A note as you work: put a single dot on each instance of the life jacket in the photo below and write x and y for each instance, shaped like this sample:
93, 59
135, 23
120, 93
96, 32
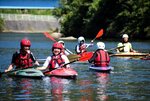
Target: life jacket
23, 61
102, 59
63, 52
55, 59
82, 48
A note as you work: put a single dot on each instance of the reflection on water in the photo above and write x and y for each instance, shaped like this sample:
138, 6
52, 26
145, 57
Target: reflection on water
127, 82
57, 87
102, 79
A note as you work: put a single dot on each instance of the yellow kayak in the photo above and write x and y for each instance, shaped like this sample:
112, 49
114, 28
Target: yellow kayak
131, 54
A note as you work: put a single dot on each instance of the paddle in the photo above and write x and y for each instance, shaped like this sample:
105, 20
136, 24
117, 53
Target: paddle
84, 57
71, 57
99, 34
109, 51
50, 37
115, 48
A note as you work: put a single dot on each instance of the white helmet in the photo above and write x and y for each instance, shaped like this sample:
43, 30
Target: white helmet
81, 38
100, 45
125, 36
61, 41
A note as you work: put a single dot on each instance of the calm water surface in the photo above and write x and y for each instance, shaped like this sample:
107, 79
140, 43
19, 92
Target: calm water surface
129, 81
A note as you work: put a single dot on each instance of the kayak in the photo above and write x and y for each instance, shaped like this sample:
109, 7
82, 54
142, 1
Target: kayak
131, 54
101, 69
146, 58
29, 73
62, 72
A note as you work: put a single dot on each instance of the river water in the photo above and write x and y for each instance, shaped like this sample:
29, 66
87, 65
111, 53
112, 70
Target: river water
129, 81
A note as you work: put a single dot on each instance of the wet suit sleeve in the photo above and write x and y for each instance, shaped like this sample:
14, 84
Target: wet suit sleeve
14, 58
93, 57
77, 49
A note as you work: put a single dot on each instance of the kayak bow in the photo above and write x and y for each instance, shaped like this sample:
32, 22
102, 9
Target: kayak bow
101, 69
28, 73
62, 72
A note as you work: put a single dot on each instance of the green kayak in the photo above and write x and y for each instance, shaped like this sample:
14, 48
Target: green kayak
29, 73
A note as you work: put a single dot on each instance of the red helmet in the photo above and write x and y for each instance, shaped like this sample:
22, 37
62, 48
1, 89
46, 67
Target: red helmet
25, 42
57, 45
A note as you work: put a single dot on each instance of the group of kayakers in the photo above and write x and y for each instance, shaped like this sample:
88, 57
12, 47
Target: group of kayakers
24, 58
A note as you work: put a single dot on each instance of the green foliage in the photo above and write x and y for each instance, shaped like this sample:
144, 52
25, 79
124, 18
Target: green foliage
1, 24
27, 11
87, 17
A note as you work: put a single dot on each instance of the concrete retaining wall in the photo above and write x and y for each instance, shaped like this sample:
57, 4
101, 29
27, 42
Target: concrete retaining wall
29, 23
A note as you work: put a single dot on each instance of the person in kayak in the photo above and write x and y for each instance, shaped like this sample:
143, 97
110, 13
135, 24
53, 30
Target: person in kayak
100, 57
82, 46
57, 59
23, 58
64, 50
127, 45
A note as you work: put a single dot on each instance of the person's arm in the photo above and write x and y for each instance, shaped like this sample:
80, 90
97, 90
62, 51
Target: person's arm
9, 68
12, 62
45, 65
92, 58
89, 45
131, 49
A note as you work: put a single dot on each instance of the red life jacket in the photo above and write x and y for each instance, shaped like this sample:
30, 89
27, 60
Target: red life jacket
102, 59
82, 48
63, 52
56, 59
23, 61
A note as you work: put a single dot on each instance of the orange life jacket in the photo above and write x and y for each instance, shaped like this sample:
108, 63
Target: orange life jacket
23, 61
102, 59
56, 59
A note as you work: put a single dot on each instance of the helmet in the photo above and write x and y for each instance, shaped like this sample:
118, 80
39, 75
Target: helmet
25, 42
61, 42
81, 39
100, 45
57, 45
125, 36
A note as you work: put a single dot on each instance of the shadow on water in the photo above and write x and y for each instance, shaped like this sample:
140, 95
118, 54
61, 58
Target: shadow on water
128, 81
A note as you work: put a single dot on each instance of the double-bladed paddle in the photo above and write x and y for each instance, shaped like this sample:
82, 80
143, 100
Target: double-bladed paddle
84, 57
99, 34
110, 50
51, 38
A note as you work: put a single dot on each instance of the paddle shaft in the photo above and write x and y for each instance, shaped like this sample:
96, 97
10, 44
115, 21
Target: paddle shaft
50, 37
84, 57
115, 48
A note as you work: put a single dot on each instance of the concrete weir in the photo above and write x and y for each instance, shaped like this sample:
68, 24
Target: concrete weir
29, 23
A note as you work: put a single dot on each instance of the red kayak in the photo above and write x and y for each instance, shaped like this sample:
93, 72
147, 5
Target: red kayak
146, 58
62, 72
